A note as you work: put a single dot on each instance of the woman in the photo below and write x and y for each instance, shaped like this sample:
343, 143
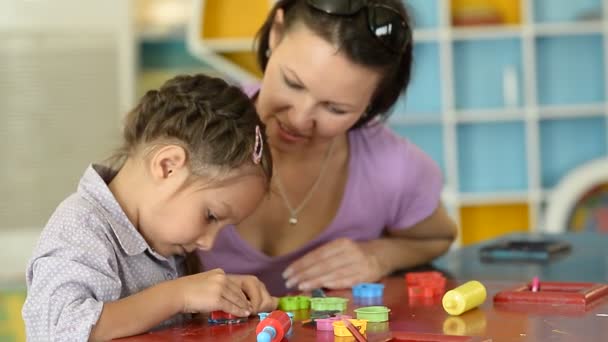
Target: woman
351, 201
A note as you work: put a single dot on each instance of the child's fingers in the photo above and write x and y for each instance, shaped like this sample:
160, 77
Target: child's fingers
268, 303
254, 290
233, 293
233, 309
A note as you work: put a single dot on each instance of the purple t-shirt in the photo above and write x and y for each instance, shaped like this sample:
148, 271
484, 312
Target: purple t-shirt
391, 184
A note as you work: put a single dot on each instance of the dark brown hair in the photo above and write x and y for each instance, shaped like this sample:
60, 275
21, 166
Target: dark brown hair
213, 121
352, 36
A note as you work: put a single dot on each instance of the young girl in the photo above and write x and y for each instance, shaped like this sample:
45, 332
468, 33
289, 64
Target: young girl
111, 260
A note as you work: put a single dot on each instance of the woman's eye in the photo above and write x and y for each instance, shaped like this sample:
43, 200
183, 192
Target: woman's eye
335, 110
332, 108
292, 84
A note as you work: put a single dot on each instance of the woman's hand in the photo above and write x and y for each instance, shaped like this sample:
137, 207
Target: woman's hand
255, 290
338, 264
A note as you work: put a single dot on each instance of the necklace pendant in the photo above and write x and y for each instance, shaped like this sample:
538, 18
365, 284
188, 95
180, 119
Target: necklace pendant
293, 221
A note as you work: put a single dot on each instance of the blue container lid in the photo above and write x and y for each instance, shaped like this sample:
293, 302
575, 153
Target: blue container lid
368, 290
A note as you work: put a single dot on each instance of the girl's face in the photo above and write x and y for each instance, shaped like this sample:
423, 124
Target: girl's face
311, 92
190, 212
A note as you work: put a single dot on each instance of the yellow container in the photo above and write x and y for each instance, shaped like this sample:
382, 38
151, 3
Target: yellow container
341, 330
464, 298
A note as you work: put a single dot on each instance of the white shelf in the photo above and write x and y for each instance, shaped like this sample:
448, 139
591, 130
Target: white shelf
159, 34
493, 115
426, 35
493, 198
487, 32
230, 44
490, 115
566, 29
572, 111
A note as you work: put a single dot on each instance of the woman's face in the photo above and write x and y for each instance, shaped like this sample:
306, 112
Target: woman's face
311, 92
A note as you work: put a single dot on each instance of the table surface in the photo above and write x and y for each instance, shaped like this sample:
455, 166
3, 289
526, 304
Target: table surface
587, 261
498, 323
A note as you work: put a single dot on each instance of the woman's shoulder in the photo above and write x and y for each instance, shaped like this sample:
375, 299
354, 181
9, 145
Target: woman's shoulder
379, 143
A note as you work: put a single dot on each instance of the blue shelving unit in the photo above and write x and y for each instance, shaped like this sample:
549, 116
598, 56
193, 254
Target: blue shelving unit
570, 70
551, 11
479, 67
469, 108
567, 143
492, 157
425, 13
423, 98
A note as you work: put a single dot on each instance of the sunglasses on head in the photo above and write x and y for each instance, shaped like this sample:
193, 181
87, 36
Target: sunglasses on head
384, 22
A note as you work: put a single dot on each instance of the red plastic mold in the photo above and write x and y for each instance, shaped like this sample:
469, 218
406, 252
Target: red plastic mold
221, 315
414, 278
579, 295
425, 284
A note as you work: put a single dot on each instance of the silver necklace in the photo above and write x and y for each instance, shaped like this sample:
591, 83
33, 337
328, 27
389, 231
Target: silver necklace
293, 219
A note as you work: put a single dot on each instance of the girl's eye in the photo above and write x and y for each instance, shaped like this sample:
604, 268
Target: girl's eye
211, 217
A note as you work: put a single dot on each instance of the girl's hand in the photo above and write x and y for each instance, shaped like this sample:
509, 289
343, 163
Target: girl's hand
338, 264
260, 299
210, 291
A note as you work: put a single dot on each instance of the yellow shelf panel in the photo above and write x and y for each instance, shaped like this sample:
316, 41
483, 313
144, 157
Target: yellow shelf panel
11, 323
246, 60
234, 18
509, 10
481, 223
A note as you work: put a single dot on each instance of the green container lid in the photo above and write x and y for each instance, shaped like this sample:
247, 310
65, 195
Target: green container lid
328, 304
373, 313
294, 303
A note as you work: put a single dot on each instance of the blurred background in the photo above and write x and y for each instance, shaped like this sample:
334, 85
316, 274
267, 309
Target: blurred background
508, 96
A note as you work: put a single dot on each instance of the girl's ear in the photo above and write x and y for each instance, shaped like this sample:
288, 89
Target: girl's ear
277, 30
168, 161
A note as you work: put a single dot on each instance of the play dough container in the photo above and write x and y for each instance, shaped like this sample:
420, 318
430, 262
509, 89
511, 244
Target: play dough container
328, 304
325, 324
341, 330
294, 303
368, 290
464, 298
373, 314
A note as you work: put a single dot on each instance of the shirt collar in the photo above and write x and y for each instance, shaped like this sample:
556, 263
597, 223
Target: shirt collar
94, 187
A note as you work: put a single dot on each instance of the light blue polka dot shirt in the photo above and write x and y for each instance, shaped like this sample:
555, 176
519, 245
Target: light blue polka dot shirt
88, 253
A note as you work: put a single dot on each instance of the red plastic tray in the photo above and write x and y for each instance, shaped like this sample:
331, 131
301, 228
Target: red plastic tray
423, 337
580, 295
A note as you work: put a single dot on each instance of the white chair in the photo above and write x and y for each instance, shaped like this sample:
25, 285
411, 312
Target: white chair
567, 195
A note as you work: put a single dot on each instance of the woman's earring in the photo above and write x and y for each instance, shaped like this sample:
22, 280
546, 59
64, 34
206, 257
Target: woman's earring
268, 52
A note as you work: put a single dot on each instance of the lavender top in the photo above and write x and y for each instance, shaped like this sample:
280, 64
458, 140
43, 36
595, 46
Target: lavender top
391, 184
